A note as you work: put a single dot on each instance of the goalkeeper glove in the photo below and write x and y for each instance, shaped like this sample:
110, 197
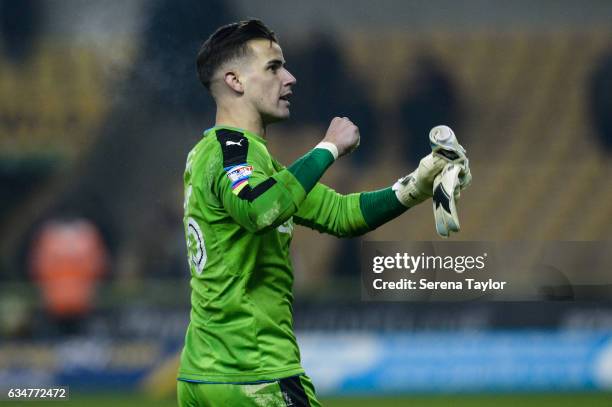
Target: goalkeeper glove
417, 186
447, 185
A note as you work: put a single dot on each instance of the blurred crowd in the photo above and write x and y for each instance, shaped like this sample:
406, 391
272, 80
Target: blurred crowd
91, 160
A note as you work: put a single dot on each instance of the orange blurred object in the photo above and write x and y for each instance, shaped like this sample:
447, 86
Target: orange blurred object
68, 257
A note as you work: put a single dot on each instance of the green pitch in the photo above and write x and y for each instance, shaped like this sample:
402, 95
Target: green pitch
523, 400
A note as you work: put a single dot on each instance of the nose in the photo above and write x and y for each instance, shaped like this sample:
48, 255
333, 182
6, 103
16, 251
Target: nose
290, 80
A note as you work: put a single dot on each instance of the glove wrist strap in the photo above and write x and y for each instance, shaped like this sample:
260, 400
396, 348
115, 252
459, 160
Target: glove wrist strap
407, 193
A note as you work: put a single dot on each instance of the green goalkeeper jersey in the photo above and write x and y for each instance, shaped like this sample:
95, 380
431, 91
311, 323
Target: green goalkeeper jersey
240, 207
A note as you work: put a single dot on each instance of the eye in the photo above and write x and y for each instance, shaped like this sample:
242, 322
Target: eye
275, 66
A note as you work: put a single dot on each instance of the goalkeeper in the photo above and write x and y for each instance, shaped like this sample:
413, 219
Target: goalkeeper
240, 208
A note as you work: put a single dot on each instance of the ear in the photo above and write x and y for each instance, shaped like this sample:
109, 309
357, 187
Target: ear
231, 79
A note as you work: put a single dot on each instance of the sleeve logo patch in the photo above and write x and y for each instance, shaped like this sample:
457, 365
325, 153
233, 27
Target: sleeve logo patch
239, 176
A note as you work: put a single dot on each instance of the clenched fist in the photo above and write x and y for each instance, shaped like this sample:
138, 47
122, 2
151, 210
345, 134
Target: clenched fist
343, 134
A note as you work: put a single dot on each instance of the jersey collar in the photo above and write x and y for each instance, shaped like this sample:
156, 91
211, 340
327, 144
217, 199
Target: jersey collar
245, 132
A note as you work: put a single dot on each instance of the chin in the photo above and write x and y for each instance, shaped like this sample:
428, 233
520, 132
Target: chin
277, 117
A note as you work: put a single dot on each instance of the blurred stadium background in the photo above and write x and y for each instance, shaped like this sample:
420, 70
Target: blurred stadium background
99, 105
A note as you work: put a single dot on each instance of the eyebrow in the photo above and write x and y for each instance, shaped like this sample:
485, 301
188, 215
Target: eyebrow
275, 62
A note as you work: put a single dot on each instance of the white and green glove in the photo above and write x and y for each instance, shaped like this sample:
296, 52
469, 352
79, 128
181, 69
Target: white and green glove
447, 184
417, 186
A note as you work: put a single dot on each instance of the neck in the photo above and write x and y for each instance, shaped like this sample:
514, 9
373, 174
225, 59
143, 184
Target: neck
236, 118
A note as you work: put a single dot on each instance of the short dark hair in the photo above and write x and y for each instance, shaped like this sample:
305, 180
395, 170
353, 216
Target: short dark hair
229, 42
